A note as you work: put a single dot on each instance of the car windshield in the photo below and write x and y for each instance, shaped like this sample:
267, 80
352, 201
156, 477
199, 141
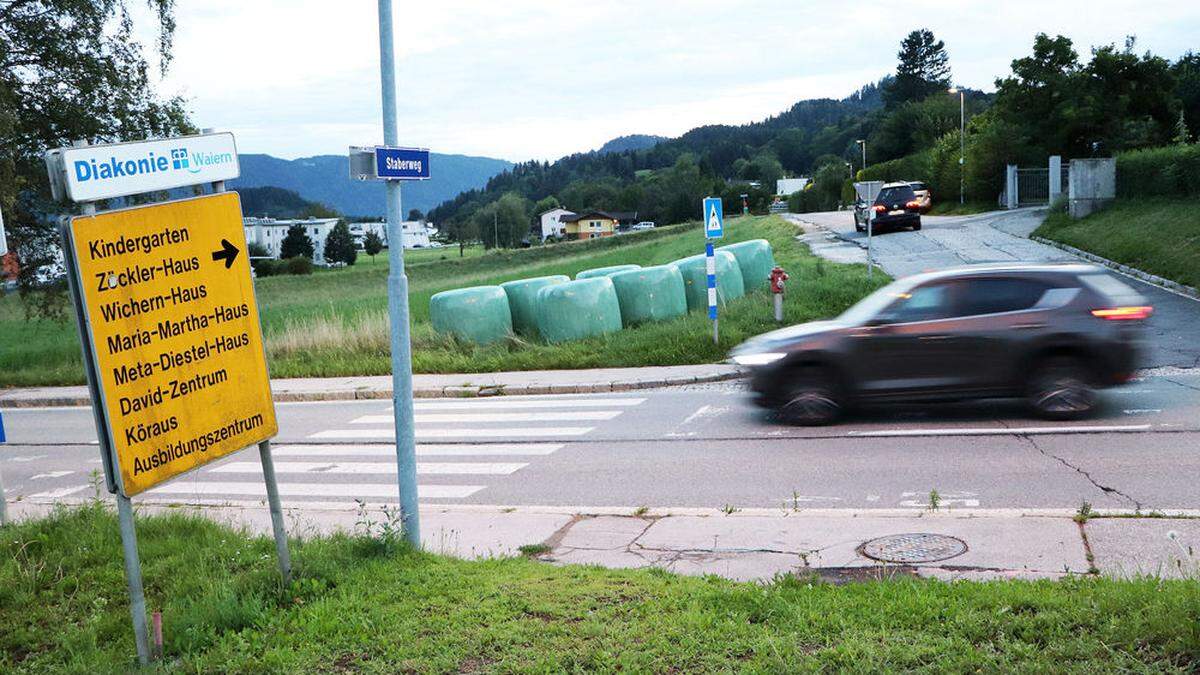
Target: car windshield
866, 309
894, 195
918, 186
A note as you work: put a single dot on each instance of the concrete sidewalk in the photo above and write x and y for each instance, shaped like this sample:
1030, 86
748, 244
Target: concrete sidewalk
760, 544
434, 386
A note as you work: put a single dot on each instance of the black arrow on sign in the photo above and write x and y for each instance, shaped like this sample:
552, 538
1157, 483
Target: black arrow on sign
227, 253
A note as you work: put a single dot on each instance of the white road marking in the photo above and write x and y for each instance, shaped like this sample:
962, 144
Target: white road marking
505, 432
50, 474
705, 411
425, 449
29, 458
990, 431
381, 468
963, 499
354, 490
427, 418
60, 492
1142, 411
523, 402
872, 498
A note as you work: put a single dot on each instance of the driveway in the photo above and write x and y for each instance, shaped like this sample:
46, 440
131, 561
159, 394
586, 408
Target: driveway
996, 236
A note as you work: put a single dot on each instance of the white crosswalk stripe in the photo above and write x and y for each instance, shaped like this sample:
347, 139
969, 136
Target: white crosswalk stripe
515, 403
379, 468
505, 432
288, 489
423, 450
434, 418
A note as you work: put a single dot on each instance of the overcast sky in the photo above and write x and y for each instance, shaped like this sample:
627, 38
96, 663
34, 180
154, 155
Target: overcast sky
522, 79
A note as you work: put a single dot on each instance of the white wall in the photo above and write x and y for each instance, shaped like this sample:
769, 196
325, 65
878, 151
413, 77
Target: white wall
551, 226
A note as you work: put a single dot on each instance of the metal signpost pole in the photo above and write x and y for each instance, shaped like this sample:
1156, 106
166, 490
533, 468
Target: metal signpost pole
272, 485
3, 502
870, 252
133, 564
406, 459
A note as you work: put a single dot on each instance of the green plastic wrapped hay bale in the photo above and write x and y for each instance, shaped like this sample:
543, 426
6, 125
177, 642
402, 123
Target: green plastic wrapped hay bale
650, 294
578, 309
756, 261
479, 314
522, 300
605, 271
695, 279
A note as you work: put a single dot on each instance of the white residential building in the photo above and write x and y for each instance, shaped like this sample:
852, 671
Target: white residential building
270, 233
785, 187
417, 233
552, 225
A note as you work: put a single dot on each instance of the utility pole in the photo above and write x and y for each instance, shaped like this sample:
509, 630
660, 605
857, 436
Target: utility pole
962, 143
402, 403
495, 231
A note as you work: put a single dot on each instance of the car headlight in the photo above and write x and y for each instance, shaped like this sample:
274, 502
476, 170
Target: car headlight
760, 359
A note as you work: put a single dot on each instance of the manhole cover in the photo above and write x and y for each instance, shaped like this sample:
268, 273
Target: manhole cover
917, 547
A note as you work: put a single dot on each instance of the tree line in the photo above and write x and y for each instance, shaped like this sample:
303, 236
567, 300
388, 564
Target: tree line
1052, 102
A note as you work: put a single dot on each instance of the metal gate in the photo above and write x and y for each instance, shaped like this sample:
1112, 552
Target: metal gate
1033, 186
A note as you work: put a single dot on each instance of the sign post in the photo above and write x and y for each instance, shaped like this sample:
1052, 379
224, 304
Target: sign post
714, 228
3, 238
402, 404
168, 320
3, 499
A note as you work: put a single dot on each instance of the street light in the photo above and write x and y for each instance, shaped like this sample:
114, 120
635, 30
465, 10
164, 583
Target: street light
962, 142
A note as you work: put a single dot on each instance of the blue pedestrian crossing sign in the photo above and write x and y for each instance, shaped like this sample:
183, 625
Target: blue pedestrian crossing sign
714, 218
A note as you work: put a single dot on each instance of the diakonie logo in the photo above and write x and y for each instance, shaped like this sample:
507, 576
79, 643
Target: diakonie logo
180, 160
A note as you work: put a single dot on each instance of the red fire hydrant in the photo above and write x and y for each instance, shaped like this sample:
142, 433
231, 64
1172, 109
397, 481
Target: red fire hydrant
777, 278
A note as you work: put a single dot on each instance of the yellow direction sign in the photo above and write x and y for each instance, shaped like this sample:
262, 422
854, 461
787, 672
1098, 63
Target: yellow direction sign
173, 330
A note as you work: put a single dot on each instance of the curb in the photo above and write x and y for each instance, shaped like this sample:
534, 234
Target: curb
1152, 279
458, 391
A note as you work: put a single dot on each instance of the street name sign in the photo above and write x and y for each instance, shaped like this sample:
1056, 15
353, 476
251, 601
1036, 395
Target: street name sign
95, 172
714, 218
389, 163
172, 334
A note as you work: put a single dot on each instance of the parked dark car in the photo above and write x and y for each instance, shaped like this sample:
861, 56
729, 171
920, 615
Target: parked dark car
895, 207
1051, 333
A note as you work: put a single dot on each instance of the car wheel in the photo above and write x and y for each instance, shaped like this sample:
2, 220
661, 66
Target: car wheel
859, 228
917, 226
1061, 389
811, 398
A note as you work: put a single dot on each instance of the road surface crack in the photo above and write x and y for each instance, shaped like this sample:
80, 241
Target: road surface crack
1107, 489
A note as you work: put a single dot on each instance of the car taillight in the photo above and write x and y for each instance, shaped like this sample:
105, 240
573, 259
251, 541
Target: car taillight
1123, 313
914, 204
879, 208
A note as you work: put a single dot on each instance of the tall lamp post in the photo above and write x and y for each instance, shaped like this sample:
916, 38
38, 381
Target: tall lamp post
962, 142
863, 143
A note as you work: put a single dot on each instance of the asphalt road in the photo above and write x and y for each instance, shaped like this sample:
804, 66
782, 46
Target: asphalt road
704, 446
999, 236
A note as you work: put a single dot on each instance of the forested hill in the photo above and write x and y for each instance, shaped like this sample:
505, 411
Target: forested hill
790, 143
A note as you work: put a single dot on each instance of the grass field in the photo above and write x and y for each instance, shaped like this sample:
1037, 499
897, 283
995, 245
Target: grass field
334, 322
1160, 236
362, 605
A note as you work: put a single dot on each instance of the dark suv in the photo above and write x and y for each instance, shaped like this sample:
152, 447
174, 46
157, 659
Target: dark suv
1052, 333
896, 206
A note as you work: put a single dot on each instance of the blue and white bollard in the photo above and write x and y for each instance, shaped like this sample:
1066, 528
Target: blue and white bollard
710, 262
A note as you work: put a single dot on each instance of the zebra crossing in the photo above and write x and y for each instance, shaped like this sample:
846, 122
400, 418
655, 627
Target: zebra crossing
461, 446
